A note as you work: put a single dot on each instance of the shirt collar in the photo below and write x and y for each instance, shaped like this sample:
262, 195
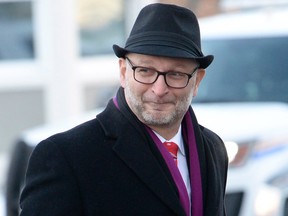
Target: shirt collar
178, 139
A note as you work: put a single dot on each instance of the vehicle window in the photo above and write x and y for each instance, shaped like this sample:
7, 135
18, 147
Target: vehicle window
253, 70
101, 24
16, 30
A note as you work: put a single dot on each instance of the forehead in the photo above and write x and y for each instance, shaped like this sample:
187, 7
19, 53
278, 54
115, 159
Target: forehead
160, 60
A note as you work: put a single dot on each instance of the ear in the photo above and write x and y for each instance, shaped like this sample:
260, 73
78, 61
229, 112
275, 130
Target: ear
122, 68
199, 76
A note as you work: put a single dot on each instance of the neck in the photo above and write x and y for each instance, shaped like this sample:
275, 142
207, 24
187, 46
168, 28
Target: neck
166, 132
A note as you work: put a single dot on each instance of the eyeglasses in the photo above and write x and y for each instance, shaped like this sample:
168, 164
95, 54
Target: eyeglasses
172, 79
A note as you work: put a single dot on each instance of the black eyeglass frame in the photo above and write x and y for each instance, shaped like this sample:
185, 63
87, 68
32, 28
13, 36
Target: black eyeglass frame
134, 67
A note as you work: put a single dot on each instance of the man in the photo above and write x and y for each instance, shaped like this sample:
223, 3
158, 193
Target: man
117, 164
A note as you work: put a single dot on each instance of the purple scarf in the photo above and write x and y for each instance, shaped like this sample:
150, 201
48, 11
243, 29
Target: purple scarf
195, 173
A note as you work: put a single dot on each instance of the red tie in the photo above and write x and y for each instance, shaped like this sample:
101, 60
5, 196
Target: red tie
173, 149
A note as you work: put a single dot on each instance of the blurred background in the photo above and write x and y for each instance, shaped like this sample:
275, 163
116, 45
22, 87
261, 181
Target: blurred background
57, 63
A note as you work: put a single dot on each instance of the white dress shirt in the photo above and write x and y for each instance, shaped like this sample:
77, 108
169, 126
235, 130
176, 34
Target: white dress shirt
181, 158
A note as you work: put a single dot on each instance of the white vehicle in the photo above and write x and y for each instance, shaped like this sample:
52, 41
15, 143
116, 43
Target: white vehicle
2, 208
243, 98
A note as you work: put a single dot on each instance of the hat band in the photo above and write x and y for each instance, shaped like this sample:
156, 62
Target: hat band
168, 40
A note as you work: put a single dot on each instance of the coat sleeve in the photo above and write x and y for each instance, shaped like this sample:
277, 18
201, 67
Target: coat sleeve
50, 187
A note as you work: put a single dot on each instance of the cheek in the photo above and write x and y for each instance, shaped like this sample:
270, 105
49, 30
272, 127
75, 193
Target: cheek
189, 96
137, 88
199, 77
126, 81
132, 86
189, 90
193, 88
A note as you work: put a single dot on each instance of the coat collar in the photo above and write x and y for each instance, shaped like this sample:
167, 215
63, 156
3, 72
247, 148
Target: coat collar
136, 146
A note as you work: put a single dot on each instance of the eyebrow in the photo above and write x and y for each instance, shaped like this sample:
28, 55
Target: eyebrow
145, 61
148, 63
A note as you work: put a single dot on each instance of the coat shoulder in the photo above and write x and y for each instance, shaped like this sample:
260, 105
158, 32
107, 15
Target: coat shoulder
214, 146
82, 132
212, 137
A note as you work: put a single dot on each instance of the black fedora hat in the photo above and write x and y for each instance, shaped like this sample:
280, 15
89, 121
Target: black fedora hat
165, 30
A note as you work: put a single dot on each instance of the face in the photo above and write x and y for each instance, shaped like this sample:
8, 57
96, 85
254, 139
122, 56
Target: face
158, 105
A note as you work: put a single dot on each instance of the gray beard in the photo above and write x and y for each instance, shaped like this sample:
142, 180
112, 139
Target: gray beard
152, 119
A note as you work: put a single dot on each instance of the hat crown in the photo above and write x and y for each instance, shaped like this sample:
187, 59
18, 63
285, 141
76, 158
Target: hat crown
165, 30
167, 19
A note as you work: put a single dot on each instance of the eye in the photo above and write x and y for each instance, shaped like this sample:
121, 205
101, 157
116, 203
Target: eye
145, 71
176, 75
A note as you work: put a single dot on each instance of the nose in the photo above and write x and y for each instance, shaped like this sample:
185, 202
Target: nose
160, 87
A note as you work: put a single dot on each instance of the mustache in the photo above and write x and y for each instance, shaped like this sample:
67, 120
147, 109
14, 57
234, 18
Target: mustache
157, 100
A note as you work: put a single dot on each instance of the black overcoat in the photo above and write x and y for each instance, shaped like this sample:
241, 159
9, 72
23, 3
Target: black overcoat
110, 166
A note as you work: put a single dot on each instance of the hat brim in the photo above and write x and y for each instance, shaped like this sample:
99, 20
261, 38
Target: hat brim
165, 51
